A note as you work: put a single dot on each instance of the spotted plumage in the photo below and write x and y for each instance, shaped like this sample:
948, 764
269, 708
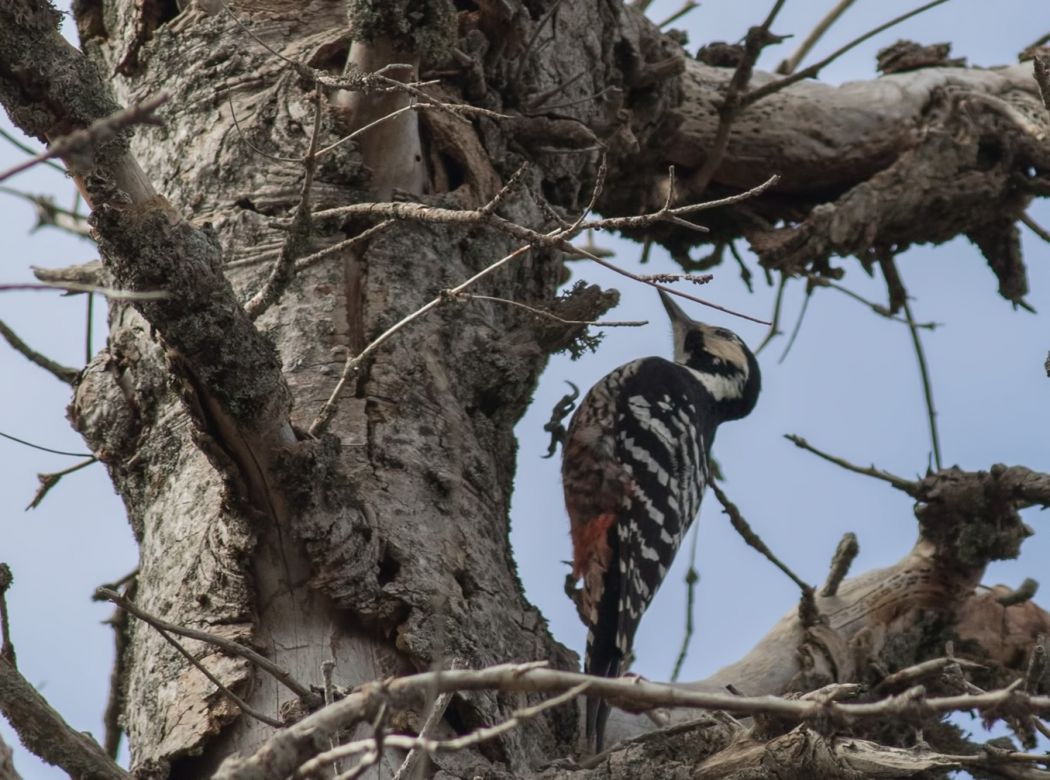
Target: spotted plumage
634, 469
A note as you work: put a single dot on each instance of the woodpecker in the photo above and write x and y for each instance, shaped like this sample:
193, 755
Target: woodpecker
634, 468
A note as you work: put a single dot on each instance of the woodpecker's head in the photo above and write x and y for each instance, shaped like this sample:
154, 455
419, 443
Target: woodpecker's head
719, 358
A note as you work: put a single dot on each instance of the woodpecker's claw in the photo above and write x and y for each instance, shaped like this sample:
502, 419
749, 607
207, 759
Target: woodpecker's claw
561, 410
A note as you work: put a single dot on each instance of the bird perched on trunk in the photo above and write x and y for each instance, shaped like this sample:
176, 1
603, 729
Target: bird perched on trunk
634, 468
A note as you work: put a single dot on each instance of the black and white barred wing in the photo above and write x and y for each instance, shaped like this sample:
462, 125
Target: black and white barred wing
659, 440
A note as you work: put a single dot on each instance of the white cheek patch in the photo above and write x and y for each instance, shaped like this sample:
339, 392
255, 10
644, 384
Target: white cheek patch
727, 351
721, 387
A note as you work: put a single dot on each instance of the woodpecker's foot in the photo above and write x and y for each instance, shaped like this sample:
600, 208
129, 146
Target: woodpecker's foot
561, 410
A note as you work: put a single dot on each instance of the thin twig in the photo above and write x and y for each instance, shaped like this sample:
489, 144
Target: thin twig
504, 192
447, 745
120, 622
840, 562
910, 674
1024, 592
47, 734
732, 103
1035, 227
89, 326
798, 325
813, 70
375, 748
353, 364
109, 292
230, 646
688, 6
44, 449
692, 576
927, 390
745, 272
48, 481
553, 317
555, 239
906, 485
524, 56
754, 540
57, 370
414, 760
29, 150
878, 308
95, 133
327, 670
250, 145
789, 65
774, 325
50, 214
282, 754
342, 246
233, 697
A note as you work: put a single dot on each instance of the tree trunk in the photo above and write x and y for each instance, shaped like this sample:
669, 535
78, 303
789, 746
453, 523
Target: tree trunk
382, 543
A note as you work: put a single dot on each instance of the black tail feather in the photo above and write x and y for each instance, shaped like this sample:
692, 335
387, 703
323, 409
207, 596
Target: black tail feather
604, 658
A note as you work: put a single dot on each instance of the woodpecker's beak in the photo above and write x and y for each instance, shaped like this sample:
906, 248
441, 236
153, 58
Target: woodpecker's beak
681, 324
674, 311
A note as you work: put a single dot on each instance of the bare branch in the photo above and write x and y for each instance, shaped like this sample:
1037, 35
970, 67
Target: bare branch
407, 770
29, 150
448, 745
798, 325
50, 214
813, 70
840, 562
109, 292
228, 645
754, 540
755, 41
553, 317
667, 212
45, 733
1035, 227
910, 674
908, 486
927, 390
283, 752
774, 325
1024, 592
556, 239
687, 6
789, 65
878, 308
48, 481
44, 449
692, 576
60, 372
94, 134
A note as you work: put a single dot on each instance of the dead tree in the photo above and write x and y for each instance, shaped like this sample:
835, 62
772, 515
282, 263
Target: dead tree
311, 476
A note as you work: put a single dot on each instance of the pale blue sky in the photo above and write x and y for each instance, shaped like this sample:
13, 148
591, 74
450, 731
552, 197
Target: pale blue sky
850, 386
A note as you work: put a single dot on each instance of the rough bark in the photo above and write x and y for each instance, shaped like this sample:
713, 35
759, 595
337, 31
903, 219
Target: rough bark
383, 544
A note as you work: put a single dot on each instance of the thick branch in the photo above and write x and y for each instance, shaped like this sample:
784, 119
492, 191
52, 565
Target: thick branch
44, 732
50, 89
